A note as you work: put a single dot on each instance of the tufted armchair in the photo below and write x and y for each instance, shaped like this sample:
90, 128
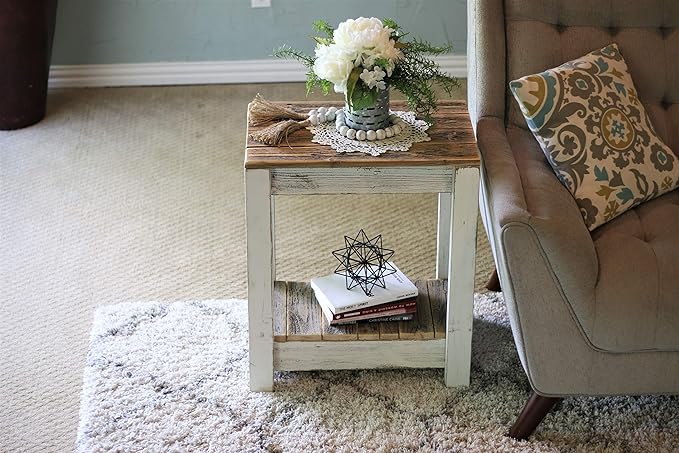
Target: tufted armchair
591, 313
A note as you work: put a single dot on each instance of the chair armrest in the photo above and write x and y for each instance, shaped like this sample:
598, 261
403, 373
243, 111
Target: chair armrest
520, 191
501, 178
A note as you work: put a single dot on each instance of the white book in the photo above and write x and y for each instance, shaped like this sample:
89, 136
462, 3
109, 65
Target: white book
332, 292
326, 310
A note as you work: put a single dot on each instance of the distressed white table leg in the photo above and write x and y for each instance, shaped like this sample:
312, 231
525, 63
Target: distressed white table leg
260, 257
443, 235
464, 211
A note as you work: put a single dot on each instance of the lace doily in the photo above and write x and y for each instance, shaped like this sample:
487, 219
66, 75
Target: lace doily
415, 131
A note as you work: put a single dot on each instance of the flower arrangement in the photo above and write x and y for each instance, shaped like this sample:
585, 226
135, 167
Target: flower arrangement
363, 57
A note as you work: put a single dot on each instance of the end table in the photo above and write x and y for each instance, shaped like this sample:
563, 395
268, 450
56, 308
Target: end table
286, 328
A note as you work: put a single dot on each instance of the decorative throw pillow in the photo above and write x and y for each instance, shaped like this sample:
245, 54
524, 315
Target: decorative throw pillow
596, 134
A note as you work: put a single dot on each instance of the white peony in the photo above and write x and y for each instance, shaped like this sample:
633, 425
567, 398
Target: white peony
334, 64
369, 40
358, 35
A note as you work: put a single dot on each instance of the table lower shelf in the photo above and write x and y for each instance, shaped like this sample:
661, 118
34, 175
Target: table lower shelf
303, 340
298, 317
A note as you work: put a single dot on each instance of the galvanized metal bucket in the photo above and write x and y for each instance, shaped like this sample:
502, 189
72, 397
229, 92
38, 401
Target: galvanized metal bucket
370, 118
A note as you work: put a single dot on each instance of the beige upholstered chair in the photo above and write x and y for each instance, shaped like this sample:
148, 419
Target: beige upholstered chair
591, 314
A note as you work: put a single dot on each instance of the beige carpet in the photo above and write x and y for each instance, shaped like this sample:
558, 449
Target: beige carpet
137, 194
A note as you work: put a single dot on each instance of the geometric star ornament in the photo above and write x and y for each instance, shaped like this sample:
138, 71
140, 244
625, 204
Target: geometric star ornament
364, 262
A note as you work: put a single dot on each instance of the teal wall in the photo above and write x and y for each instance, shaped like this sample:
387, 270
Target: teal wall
144, 31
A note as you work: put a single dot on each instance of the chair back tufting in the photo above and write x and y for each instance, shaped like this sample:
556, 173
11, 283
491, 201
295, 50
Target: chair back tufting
542, 34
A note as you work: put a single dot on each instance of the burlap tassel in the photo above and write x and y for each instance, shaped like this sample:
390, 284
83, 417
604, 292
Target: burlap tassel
263, 111
276, 133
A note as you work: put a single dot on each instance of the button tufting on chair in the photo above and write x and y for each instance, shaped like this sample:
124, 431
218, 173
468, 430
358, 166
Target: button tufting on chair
592, 313
665, 31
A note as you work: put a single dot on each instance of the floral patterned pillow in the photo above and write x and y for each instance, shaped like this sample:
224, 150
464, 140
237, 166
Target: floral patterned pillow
596, 134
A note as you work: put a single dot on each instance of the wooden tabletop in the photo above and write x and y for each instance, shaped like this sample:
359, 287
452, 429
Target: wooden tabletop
452, 143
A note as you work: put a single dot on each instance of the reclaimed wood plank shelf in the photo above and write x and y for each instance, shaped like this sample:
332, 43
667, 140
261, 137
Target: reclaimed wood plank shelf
286, 327
298, 317
452, 143
304, 341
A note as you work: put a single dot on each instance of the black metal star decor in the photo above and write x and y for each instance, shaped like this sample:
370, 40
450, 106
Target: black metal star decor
364, 262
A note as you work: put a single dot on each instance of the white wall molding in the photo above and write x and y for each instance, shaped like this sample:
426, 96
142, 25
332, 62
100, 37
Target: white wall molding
199, 73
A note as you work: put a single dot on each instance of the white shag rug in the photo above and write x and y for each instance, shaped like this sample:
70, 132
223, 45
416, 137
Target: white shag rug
173, 377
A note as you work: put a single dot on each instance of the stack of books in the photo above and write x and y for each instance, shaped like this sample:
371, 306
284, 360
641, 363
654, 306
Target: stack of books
396, 302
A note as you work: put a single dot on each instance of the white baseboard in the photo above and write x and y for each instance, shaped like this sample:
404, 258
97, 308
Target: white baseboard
200, 73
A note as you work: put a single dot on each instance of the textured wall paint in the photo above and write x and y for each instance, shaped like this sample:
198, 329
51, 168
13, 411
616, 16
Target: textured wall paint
143, 31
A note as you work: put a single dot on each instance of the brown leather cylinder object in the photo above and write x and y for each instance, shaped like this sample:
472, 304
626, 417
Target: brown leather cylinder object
26, 34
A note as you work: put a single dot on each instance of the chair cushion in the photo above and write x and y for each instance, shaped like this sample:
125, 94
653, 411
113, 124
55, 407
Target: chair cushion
637, 293
596, 134
632, 302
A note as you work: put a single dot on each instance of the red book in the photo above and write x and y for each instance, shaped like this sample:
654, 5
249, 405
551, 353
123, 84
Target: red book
377, 309
404, 317
380, 315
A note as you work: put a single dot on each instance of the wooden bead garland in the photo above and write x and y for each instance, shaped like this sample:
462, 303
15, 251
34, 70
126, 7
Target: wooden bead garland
323, 114
262, 112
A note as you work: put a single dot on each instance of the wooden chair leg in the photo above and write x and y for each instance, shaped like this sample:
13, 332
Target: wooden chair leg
494, 283
535, 410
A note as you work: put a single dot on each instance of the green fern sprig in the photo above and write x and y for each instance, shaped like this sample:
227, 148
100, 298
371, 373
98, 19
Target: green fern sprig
322, 26
288, 53
416, 76
312, 81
